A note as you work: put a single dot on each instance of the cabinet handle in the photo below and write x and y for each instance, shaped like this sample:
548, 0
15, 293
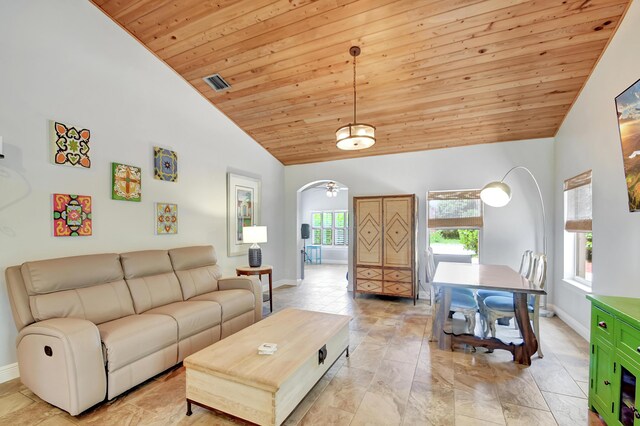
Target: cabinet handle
607, 383
602, 324
636, 413
638, 349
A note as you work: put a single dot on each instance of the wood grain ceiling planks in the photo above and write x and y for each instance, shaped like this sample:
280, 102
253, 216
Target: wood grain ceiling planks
432, 73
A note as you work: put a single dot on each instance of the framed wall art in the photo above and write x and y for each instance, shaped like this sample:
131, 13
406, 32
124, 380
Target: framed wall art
71, 215
69, 145
166, 218
628, 108
243, 209
126, 182
165, 164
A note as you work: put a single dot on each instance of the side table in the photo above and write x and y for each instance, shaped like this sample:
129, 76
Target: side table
259, 271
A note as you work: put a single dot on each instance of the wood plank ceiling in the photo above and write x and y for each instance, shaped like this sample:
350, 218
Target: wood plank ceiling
432, 73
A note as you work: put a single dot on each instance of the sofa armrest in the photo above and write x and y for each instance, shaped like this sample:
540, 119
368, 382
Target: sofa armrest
61, 361
245, 283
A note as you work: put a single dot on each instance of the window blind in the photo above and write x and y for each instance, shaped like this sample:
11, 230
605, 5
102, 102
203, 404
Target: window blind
578, 201
455, 209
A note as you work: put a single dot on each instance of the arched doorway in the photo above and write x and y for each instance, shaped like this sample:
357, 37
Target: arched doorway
323, 209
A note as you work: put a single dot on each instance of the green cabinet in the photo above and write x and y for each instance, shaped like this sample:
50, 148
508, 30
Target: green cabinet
614, 368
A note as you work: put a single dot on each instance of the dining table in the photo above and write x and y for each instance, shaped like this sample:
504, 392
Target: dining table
450, 275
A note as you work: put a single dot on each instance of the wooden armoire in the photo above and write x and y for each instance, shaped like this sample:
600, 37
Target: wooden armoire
385, 253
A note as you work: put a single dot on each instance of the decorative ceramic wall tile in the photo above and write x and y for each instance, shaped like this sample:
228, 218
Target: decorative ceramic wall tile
69, 144
166, 218
126, 183
71, 215
165, 164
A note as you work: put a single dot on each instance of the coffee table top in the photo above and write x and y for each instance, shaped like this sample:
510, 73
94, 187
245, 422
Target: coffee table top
298, 333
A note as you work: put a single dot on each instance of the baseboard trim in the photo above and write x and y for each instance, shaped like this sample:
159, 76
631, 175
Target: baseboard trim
9, 372
571, 322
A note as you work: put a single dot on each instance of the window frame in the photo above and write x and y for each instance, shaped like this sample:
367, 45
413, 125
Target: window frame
321, 229
466, 223
573, 231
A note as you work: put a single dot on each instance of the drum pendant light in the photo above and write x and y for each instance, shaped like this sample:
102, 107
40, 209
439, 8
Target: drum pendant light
355, 136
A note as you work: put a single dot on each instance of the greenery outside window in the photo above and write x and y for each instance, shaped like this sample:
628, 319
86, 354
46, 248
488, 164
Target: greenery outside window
330, 228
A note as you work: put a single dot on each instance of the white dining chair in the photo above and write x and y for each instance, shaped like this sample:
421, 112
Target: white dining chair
500, 306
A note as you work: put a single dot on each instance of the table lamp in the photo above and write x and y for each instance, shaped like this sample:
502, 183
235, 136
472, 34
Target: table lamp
254, 235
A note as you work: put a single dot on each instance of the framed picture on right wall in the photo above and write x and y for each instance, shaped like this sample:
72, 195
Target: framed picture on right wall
628, 108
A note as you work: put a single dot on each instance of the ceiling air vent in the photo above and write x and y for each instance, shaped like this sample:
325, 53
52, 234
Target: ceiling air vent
217, 83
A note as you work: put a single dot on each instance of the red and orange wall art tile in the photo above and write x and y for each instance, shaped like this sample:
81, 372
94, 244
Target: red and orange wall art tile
71, 215
166, 218
126, 182
70, 145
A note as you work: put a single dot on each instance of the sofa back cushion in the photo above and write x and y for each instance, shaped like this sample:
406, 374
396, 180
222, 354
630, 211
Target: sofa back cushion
88, 287
150, 278
196, 269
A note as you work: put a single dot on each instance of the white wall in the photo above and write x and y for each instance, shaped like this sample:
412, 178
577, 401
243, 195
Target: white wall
65, 60
589, 139
315, 199
507, 232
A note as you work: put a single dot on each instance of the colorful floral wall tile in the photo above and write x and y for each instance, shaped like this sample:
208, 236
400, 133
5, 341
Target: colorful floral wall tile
126, 183
71, 215
166, 218
165, 164
70, 145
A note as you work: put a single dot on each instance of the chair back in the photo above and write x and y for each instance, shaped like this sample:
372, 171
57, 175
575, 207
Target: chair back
539, 270
526, 264
431, 265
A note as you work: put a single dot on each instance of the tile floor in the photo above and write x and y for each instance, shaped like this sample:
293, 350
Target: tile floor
394, 376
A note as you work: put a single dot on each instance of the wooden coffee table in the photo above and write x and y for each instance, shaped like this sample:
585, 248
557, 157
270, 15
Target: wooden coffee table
229, 376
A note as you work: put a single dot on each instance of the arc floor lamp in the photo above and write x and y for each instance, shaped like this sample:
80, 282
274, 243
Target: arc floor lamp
498, 194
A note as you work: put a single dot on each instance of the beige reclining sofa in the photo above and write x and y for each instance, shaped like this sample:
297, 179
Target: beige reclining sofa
91, 327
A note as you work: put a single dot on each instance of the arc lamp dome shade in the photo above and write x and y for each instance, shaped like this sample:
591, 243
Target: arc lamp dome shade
496, 194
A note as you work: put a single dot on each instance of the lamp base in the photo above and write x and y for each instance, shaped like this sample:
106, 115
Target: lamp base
255, 257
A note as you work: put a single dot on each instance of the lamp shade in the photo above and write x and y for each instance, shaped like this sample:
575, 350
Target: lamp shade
355, 136
254, 234
496, 194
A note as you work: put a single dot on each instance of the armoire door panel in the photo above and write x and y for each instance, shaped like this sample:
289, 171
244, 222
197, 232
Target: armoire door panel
369, 231
398, 218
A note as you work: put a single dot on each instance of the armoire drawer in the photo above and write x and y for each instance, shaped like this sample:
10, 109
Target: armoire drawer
369, 273
370, 286
398, 275
397, 288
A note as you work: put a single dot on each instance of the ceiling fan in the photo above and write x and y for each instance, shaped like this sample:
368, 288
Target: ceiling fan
333, 189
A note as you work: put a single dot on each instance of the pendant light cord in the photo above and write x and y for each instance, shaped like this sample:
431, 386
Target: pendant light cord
354, 90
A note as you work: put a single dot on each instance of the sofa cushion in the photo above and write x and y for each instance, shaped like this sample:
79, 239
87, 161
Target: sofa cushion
192, 317
131, 338
48, 276
196, 269
233, 302
150, 278
98, 304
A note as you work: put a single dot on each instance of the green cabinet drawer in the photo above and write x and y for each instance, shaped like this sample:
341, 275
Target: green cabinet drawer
602, 324
628, 340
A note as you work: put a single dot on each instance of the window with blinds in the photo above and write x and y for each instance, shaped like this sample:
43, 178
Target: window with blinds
578, 203
454, 209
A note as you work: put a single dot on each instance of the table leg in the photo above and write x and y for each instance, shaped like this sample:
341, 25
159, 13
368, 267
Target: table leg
444, 340
189, 412
270, 292
524, 352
